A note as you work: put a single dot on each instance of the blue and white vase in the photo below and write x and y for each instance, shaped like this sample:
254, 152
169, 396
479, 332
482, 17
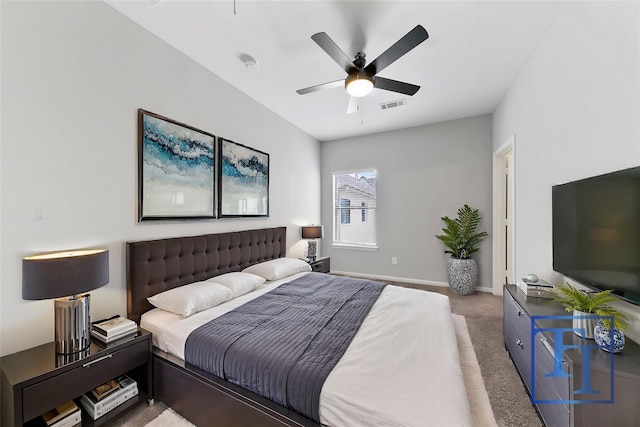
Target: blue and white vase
603, 337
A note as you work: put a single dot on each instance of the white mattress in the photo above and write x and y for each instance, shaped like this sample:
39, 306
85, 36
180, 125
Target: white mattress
401, 369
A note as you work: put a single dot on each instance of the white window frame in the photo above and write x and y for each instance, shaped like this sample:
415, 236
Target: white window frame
356, 210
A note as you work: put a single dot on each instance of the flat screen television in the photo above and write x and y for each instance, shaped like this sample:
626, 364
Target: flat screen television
596, 232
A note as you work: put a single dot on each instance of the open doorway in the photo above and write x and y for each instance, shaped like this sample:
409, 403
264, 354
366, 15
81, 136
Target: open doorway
503, 215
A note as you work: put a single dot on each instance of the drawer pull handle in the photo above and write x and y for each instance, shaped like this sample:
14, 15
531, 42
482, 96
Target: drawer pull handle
519, 343
108, 356
517, 306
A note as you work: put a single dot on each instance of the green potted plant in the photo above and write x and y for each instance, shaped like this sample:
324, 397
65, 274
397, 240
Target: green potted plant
585, 306
461, 241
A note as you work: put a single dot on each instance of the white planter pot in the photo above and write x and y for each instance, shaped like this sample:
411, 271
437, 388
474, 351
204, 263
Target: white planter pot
583, 326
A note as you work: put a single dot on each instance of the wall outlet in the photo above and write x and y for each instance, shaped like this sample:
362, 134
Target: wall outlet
394, 260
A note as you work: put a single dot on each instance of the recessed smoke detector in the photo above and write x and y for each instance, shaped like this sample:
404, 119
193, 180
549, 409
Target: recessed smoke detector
393, 104
249, 62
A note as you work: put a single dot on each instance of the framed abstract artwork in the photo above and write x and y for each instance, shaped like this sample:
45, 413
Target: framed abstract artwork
176, 170
243, 179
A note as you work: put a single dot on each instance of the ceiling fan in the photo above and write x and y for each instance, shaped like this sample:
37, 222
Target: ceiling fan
361, 79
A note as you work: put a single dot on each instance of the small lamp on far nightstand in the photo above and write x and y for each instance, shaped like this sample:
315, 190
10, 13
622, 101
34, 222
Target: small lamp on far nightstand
312, 232
67, 274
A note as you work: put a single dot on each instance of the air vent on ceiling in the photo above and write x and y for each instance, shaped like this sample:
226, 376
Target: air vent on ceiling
393, 104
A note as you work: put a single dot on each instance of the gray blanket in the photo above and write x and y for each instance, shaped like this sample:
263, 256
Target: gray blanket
283, 344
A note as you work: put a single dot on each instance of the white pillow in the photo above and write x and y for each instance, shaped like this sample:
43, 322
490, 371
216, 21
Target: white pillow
239, 283
192, 298
278, 268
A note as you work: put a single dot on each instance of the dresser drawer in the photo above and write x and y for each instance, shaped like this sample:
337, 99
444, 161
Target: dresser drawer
520, 353
555, 415
519, 320
71, 384
550, 388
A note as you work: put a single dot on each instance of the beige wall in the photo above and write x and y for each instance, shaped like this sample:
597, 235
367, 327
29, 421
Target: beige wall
424, 173
73, 76
575, 110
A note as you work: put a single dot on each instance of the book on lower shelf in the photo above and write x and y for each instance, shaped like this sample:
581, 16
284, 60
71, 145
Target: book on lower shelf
66, 415
127, 388
73, 420
114, 326
105, 390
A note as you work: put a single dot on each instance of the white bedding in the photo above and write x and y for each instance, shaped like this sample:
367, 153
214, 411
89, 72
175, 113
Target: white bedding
401, 369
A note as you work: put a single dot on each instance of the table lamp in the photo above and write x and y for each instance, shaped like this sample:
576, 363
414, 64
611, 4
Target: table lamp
65, 276
312, 232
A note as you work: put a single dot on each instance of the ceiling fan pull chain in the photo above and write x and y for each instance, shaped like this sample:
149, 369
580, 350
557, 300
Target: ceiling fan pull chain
234, 7
361, 111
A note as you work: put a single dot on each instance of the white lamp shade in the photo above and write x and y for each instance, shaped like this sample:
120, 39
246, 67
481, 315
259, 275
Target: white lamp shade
359, 84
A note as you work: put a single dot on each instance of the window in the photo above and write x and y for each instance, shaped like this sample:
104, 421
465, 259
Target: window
345, 212
354, 191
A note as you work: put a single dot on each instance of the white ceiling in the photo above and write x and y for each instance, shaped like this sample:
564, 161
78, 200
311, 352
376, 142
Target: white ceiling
474, 51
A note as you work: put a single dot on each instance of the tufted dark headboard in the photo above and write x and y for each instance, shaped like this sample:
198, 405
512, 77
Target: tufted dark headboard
154, 266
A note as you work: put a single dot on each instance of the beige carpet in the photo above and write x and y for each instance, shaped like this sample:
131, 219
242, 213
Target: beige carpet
481, 411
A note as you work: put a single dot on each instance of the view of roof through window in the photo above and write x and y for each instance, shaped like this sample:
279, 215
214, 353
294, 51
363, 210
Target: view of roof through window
354, 205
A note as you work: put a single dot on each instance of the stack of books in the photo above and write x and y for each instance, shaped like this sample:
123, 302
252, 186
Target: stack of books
114, 329
108, 396
538, 289
66, 415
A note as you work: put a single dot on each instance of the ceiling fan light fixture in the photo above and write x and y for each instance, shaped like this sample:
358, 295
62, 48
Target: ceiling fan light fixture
359, 84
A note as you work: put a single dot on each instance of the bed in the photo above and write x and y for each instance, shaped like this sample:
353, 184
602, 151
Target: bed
400, 368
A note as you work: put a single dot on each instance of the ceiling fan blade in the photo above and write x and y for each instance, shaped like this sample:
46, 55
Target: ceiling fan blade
322, 86
410, 40
396, 86
332, 49
352, 107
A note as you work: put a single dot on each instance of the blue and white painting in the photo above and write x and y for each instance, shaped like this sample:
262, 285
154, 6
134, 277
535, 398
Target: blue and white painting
177, 169
244, 180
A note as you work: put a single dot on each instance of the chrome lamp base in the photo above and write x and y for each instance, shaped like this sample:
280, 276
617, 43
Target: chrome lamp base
72, 324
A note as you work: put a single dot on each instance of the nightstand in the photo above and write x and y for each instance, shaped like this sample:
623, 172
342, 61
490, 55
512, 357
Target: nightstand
321, 265
37, 380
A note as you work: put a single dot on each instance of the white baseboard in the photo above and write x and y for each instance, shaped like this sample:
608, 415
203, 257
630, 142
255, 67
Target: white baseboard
403, 280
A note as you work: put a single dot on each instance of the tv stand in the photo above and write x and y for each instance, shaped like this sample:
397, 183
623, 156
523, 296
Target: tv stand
519, 342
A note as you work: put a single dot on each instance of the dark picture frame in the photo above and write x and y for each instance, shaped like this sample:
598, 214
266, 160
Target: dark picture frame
176, 170
243, 181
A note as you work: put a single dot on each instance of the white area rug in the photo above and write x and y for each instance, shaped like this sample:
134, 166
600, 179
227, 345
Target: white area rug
169, 418
481, 411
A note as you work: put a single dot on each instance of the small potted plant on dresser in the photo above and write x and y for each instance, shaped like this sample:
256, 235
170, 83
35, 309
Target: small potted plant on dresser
461, 241
586, 307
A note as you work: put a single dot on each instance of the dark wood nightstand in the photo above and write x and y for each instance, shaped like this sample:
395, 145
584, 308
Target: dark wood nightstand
37, 380
321, 265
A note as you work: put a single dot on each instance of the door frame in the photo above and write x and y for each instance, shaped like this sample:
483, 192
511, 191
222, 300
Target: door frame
499, 237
